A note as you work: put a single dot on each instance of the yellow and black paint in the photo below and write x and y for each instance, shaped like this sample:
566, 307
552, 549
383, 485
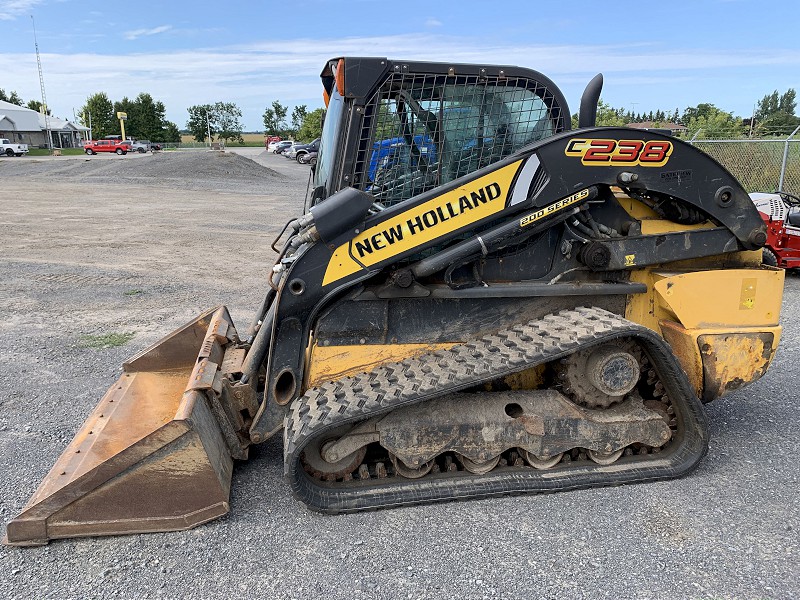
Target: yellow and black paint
458, 208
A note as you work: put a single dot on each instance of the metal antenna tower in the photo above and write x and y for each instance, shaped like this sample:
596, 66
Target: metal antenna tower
49, 140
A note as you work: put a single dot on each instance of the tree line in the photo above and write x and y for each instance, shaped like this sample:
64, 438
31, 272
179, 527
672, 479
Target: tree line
304, 126
774, 115
14, 98
222, 120
146, 118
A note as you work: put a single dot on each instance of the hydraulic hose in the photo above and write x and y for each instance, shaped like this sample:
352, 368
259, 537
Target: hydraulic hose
258, 351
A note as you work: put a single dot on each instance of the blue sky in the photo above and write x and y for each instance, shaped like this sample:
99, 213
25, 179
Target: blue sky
653, 55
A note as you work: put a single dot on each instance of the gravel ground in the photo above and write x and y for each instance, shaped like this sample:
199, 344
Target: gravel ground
188, 170
76, 259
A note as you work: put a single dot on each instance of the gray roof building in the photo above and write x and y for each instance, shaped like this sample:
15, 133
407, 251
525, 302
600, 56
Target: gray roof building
26, 126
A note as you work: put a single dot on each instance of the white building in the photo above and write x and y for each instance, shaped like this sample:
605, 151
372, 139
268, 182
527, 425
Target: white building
26, 126
64, 133
20, 125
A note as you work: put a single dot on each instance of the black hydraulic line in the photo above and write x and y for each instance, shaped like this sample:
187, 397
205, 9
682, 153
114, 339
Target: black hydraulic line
258, 351
582, 228
523, 225
259, 316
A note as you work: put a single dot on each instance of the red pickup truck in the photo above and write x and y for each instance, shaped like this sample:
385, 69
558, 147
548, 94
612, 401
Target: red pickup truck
95, 146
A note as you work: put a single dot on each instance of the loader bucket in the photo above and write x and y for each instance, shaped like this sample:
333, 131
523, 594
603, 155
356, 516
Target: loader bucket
151, 457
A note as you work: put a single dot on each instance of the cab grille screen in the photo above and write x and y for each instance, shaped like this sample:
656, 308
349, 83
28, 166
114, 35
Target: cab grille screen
422, 131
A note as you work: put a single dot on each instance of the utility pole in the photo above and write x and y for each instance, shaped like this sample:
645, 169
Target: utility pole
49, 141
208, 127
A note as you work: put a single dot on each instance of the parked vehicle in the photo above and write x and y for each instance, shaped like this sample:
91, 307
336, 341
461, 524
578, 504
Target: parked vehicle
273, 145
271, 139
781, 213
282, 146
299, 149
95, 146
307, 158
9, 149
143, 146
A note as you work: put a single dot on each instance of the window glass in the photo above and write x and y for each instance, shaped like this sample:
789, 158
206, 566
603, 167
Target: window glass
426, 133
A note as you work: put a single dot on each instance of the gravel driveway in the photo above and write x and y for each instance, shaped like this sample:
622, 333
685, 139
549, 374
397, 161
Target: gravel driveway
147, 244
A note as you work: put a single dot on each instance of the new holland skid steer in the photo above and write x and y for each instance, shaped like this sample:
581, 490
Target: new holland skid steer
479, 300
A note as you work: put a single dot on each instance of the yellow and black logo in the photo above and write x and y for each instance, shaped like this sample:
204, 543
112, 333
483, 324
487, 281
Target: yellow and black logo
470, 203
630, 153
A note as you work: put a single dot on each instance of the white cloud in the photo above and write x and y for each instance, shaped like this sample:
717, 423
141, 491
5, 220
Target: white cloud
137, 33
432, 22
11, 9
253, 75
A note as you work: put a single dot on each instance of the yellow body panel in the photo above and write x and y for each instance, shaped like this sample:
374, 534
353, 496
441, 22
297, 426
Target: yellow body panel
725, 298
720, 360
651, 222
722, 325
328, 363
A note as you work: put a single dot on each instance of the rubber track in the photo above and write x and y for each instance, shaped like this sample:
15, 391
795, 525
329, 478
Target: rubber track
394, 385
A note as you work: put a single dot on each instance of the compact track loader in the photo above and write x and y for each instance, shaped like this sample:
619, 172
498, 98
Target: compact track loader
479, 300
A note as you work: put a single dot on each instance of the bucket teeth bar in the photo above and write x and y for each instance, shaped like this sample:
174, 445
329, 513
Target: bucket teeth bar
157, 452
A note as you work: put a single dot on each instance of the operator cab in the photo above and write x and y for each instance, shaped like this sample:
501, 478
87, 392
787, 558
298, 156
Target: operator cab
396, 130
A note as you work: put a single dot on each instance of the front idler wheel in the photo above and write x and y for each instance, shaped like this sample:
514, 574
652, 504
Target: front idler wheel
317, 466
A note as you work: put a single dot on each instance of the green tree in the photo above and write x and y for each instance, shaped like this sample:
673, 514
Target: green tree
146, 117
713, 122
128, 107
103, 121
607, 116
775, 113
171, 133
11, 97
222, 118
227, 116
275, 119
311, 128
298, 116
37, 106
200, 121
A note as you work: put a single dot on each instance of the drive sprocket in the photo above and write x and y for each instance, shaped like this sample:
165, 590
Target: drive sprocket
601, 377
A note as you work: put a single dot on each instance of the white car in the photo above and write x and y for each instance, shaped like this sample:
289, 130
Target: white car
272, 145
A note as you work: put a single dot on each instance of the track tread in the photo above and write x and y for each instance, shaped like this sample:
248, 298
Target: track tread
394, 385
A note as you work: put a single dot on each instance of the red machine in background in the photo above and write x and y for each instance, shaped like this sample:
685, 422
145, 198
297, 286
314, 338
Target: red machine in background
781, 212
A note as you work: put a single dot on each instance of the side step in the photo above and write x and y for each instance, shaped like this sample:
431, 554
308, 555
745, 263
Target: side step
156, 454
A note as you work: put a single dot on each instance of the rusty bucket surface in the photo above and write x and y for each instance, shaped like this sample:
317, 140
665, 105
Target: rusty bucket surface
151, 457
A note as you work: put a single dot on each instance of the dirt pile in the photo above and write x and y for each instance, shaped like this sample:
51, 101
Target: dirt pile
196, 170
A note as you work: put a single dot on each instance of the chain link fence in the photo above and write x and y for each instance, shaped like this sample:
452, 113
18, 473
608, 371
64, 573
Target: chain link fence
759, 165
